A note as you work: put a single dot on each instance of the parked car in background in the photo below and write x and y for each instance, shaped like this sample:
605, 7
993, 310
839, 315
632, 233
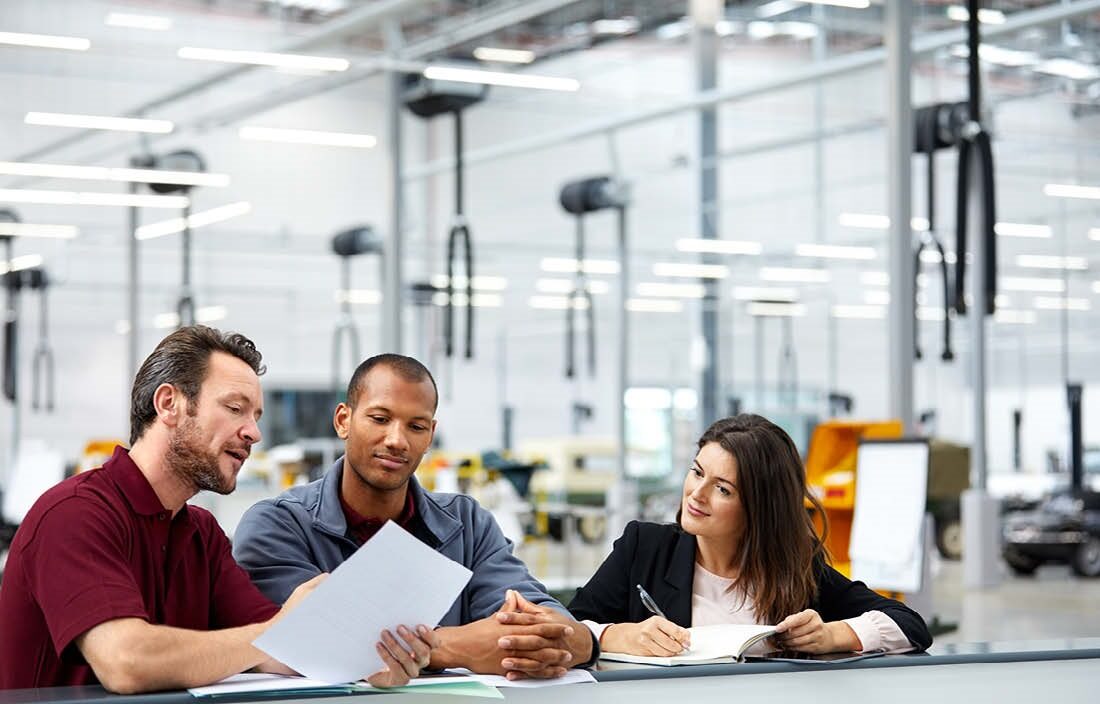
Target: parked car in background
1063, 528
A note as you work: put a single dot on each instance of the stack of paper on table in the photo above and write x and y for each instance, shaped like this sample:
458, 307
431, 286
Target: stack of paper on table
394, 579
709, 644
260, 683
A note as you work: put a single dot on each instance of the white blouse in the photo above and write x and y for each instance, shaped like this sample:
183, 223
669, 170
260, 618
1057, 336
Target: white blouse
716, 600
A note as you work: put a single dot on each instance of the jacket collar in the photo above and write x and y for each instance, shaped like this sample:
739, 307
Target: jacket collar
328, 515
680, 575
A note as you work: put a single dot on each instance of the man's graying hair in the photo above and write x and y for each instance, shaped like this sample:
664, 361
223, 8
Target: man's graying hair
181, 359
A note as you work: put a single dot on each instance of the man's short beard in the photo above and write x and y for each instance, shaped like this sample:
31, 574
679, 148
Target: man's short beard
191, 462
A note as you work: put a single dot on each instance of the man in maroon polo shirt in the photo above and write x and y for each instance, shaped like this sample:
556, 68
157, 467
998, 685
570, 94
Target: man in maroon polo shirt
113, 578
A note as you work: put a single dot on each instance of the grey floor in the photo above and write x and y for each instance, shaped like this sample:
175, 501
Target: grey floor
1054, 604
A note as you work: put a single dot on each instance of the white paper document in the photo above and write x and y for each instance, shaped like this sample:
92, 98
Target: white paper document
574, 676
256, 682
394, 579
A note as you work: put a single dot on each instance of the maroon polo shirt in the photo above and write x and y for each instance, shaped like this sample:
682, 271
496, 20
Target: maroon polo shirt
361, 528
100, 546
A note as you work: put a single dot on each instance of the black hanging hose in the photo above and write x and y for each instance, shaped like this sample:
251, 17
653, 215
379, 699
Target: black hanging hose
460, 233
11, 328
927, 123
581, 292
975, 144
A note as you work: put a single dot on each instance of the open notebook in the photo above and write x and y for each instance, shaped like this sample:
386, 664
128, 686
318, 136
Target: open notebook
709, 644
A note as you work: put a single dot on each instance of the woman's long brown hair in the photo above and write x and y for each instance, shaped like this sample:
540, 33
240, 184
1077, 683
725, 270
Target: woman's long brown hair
779, 546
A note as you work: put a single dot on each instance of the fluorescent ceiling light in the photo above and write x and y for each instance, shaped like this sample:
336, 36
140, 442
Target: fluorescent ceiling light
959, 13
510, 56
1094, 234
874, 278
1053, 303
616, 27
23, 229
872, 221
104, 173
1068, 190
20, 195
701, 271
565, 286
317, 137
359, 296
719, 246
1014, 317
557, 302
26, 261
852, 4
559, 265
152, 23
208, 314
1019, 229
1002, 301
45, 41
1068, 68
98, 122
932, 256
763, 293
195, 220
499, 78
481, 300
1035, 285
664, 290
1039, 261
481, 283
991, 53
792, 274
782, 310
834, 251
652, 305
1096, 286
876, 298
264, 58
777, 7
860, 312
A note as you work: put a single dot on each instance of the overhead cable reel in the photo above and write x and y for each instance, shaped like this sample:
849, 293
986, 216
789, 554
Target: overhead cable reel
428, 98
937, 127
347, 244
187, 161
579, 198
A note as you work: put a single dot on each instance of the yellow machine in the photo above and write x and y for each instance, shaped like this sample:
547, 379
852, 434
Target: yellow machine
578, 473
831, 477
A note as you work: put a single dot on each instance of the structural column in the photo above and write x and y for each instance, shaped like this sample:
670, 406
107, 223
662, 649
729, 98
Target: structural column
899, 121
393, 282
705, 15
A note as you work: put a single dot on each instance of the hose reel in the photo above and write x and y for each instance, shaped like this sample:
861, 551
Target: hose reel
347, 244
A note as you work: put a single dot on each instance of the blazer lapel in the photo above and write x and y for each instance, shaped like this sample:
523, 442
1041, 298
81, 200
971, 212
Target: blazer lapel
680, 577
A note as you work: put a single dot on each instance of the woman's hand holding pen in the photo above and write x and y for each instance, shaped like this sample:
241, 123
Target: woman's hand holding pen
807, 633
655, 636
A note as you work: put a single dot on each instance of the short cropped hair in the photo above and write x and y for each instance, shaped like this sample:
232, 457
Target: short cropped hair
406, 367
182, 359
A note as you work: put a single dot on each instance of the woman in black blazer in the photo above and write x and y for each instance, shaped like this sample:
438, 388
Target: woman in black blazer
742, 526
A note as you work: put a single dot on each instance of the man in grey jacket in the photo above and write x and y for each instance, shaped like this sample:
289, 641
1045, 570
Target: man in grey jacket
504, 622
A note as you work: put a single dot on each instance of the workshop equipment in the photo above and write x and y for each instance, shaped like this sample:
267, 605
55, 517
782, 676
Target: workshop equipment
347, 244
427, 98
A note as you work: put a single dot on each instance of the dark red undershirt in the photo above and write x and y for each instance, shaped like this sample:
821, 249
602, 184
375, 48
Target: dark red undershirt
361, 529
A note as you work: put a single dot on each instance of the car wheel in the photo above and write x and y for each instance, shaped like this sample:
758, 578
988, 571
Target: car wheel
1020, 564
949, 539
1086, 559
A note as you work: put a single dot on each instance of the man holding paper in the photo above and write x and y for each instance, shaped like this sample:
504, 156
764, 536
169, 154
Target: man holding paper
504, 622
114, 579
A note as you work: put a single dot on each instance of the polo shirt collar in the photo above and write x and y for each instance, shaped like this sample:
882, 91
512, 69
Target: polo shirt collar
132, 483
328, 513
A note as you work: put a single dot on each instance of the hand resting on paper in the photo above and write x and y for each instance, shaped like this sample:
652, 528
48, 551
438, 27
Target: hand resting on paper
403, 660
655, 636
519, 640
806, 632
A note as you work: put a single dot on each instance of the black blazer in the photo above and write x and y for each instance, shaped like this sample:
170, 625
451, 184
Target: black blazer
661, 557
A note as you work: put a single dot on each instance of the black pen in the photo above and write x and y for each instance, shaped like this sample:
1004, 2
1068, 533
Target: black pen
649, 604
